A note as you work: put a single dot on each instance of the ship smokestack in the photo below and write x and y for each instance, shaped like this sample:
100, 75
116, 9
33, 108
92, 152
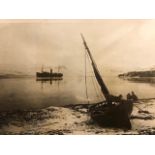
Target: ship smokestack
51, 71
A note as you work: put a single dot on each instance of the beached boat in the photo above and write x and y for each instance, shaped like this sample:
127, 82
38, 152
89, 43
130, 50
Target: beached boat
116, 115
115, 111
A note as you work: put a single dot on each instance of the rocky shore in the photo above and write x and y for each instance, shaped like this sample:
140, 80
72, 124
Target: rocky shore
73, 120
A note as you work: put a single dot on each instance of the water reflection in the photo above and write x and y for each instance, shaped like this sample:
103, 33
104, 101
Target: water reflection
32, 93
49, 80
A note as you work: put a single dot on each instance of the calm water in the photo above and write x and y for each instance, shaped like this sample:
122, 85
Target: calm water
27, 93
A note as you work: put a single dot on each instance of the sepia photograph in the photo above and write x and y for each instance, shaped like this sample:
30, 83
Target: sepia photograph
77, 77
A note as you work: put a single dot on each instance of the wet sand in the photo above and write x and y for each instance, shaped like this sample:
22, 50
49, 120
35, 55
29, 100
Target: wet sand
73, 120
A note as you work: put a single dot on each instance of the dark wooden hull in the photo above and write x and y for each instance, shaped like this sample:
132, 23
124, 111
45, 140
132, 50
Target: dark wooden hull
117, 115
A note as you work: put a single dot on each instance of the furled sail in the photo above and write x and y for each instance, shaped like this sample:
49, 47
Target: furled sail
104, 89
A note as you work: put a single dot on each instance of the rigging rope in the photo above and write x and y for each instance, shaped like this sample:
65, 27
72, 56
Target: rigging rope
86, 77
96, 87
98, 95
98, 91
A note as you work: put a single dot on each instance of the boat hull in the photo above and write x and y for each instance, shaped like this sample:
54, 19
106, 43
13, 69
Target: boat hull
117, 115
48, 75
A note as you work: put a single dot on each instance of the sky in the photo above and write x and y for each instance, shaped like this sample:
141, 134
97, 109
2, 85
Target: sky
116, 45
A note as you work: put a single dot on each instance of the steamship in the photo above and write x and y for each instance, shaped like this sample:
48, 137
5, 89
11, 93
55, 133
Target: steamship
48, 75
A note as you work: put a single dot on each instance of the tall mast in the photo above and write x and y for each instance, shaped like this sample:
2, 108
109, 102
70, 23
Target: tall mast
98, 76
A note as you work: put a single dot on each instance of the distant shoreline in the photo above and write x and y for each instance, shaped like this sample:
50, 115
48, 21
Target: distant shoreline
10, 76
139, 76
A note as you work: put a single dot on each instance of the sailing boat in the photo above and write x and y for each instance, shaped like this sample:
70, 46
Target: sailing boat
115, 111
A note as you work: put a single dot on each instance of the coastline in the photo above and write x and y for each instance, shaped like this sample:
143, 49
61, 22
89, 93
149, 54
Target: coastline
72, 120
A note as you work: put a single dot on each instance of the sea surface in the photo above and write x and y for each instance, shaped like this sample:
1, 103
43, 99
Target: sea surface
28, 93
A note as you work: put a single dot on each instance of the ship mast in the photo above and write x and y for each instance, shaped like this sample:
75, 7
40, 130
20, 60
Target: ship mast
98, 76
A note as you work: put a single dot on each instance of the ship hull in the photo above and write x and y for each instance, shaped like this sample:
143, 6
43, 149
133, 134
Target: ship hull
117, 115
48, 75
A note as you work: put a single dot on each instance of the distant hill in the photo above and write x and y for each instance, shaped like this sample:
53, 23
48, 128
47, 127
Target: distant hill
149, 73
5, 76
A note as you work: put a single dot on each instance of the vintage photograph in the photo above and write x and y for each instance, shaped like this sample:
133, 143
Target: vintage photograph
77, 77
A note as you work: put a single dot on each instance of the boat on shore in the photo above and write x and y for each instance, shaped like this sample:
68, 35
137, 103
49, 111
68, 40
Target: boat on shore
115, 111
114, 115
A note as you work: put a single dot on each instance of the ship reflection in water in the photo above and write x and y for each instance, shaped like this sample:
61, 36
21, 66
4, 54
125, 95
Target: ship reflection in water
49, 80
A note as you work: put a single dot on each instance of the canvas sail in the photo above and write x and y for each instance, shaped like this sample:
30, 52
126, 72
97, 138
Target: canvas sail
98, 76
